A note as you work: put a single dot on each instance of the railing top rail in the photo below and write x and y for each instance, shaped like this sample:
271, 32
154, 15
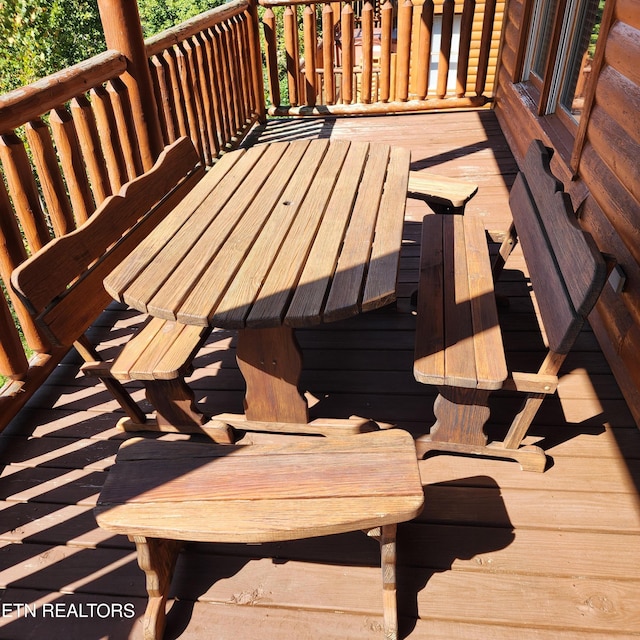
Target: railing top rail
195, 25
27, 103
284, 3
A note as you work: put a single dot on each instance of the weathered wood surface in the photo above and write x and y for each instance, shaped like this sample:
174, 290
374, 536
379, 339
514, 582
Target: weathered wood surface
560, 548
160, 494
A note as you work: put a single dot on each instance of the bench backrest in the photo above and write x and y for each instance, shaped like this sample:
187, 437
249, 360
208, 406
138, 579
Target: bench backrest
61, 284
567, 271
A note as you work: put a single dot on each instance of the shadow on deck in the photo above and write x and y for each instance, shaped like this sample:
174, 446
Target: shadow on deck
497, 552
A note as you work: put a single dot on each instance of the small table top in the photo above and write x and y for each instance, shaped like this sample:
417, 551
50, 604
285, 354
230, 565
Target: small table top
287, 233
261, 493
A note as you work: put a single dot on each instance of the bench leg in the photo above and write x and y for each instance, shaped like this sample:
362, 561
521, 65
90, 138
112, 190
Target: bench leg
460, 415
157, 558
271, 362
386, 536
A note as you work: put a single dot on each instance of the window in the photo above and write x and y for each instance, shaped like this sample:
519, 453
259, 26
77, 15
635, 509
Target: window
562, 38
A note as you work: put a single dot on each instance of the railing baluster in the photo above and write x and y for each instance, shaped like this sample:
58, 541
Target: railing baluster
256, 62
191, 46
12, 254
485, 45
292, 49
244, 60
328, 58
403, 59
425, 35
177, 101
386, 28
448, 8
188, 96
119, 96
242, 84
186, 69
221, 72
310, 39
232, 82
271, 45
214, 78
112, 149
466, 28
13, 360
206, 93
367, 53
23, 190
161, 83
66, 139
87, 131
347, 25
48, 169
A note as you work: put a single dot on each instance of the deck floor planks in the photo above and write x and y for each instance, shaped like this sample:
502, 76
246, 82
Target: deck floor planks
497, 553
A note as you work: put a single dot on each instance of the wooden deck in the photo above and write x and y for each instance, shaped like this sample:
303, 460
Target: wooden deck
497, 553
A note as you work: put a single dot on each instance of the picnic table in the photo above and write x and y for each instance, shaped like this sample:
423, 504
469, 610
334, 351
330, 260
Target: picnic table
275, 237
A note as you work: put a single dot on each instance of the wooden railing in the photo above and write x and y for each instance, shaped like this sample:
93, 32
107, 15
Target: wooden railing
379, 58
72, 139
207, 78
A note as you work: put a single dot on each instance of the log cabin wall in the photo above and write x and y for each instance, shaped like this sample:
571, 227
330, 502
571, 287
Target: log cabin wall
598, 162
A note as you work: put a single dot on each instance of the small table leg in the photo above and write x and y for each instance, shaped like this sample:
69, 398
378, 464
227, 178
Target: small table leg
271, 362
174, 403
157, 558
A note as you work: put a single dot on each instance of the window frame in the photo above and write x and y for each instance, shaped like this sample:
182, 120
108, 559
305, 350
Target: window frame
565, 132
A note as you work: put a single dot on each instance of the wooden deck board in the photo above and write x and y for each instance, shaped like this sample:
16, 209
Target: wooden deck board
497, 553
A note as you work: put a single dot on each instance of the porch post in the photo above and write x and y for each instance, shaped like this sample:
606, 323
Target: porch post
123, 32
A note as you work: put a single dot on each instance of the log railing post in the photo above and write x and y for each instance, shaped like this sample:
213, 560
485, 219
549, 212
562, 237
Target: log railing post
123, 32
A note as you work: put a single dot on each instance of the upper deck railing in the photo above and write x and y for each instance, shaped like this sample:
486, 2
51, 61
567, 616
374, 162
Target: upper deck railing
72, 139
367, 56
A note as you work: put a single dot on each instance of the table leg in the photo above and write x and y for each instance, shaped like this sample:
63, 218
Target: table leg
175, 406
271, 362
460, 416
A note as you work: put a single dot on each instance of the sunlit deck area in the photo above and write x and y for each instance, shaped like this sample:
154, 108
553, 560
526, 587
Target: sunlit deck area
498, 553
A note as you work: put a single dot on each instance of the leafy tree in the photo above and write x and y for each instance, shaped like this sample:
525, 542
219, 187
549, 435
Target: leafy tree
38, 37
158, 15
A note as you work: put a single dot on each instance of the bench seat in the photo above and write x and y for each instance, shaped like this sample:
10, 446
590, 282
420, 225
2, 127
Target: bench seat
161, 493
458, 341
161, 350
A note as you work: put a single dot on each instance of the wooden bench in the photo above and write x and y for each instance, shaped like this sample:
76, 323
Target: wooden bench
62, 286
458, 341
162, 493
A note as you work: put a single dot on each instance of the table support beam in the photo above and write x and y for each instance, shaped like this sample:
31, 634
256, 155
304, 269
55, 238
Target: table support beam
271, 362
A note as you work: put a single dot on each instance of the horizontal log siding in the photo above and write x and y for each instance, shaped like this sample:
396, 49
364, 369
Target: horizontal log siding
608, 172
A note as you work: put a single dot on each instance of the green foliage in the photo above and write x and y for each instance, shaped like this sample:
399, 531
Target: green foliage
39, 37
157, 15
596, 29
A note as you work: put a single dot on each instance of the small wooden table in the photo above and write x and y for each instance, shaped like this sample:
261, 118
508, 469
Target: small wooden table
161, 493
276, 237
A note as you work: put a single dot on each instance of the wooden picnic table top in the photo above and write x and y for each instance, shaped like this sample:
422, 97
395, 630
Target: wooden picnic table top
288, 233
